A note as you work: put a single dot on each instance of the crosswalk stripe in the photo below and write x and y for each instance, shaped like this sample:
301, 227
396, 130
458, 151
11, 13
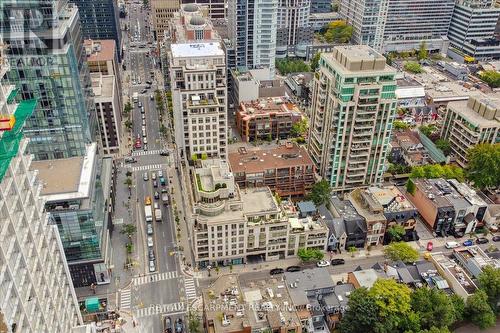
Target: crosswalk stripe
125, 299
190, 288
148, 152
159, 309
149, 167
154, 278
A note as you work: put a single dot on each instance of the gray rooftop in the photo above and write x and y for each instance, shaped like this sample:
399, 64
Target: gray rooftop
307, 280
344, 209
306, 207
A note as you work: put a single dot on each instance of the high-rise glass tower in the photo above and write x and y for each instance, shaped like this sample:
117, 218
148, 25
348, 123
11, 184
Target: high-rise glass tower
45, 52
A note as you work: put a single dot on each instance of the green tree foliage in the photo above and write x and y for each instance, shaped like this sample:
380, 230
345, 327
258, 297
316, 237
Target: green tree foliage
400, 125
489, 282
286, 66
411, 187
128, 124
484, 165
300, 128
398, 169
310, 254
438, 171
396, 232
127, 109
492, 78
478, 311
458, 307
338, 32
401, 251
434, 329
315, 62
413, 67
427, 130
320, 192
422, 51
434, 308
128, 229
361, 314
444, 145
128, 182
194, 322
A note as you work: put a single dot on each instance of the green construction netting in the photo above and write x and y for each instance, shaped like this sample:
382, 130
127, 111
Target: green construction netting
12, 96
9, 142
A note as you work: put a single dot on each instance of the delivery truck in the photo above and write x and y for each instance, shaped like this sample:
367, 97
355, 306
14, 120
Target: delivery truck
148, 213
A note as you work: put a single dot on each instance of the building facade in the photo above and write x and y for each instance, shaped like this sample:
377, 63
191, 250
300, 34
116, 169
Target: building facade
468, 123
252, 28
353, 107
399, 25
102, 57
162, 11
321, 6
294, 31
286, 169
472, 29
49, 64
36, 293
100, 20
216, 8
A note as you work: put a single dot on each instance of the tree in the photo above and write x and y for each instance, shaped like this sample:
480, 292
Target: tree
484, 165
434, 308
128, 182
338, 32
401, 251
427, 130
413, 67
411, 187
299, 128
434, 329
396, 232
306, 255
492, 78
458, 307
489, 282
194, 323
320, 193
478, 311
438, 171
315, 61
128, 173
422, 51
286, 66
128, 229
163, 130
361, 314
128, 124
127, 109
400, 125
444, 145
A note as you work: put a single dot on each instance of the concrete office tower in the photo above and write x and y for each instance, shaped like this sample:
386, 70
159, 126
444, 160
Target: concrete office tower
353, 107
162, 11
399, 25
48, 63
100, 20
252, 28
472, 29
36, 293
321, 6
216, 8
294, 32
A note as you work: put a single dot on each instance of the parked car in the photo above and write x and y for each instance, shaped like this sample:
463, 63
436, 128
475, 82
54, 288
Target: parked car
167, 325
336, 262
139, 104
276, 271
153, 176
130, 160
293, 269
164, 153
152, 266
482, 240
451, 245
323, 263
468, 242
155, 184
430, 246
160, 173
149, 229
146, 177
151, 254
162, 181
150, 241
179, 326
157, 195
496, 238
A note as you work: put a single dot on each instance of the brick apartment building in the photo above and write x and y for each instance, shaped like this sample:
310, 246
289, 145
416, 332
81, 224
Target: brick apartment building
266, 119
286, 169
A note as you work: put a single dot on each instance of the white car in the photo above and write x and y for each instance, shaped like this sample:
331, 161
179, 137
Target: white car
150, 241
451, 245
153, 176
146, 178
323, 263
160, 173
150, 229
152, 266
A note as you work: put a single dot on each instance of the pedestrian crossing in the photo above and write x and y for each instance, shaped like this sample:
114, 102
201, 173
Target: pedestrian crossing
137, 281
125, 299
149, 167
156, 309
190, 288
147, 152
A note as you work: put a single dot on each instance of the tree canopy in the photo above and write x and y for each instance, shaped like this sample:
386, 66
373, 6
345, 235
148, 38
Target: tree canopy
483, 166
434, 308
400, 125
489, 282
413, 67
492, 78
448, 171
423, 53
362, 313
309, 254
286, 66
478, 311
401, 251
300, 128
315, 61
320, 192
337, 32
396, 232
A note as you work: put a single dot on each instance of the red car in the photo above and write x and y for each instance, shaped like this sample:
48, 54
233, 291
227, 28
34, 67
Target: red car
138, 144
430, 246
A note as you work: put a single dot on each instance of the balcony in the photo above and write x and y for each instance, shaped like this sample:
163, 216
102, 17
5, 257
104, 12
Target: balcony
201, 101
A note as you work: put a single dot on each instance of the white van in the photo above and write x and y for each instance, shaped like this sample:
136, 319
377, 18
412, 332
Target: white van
451, 245
145, 141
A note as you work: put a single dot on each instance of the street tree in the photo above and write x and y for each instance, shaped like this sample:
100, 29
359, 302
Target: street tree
361, 314
300, 128
396, 232
484, 165
307, 255
128, 229
127, 109
338, 32
478, 311
434, 308
423, 53
128, 181
411, 187
489, 282
128, 173
401, 251
128, 124
194, 322
320, 193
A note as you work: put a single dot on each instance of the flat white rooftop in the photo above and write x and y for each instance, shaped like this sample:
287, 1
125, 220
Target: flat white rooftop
194, 50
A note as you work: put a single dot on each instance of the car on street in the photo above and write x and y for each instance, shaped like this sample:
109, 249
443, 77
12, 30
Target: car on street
336, 262
160, 173
146, 177
139, 104
162, 181
149, 82
138, 144
179, 325
151, 254
153, 175
143, 116
496, 238
152, 266
150, 241
482, 240
164, 153
451, 245
323, 263
143, 91
151, 97
430, 246
155, 184
130, 160
149, 229
293, 269
147, 201
142, 111
157, 195
468, 242
167, 325
276, 271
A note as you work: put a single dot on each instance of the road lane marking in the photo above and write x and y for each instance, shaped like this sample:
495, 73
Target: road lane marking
125, 299
137, 281
190, 288
156, 309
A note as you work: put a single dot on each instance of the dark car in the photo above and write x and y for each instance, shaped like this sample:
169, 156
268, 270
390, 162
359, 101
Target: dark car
167, 325
337, 262
157, 195
496, 238
179, 326
151, 254
293, 269
276, 271
164, 153
482, 240
155, 183
468, 242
